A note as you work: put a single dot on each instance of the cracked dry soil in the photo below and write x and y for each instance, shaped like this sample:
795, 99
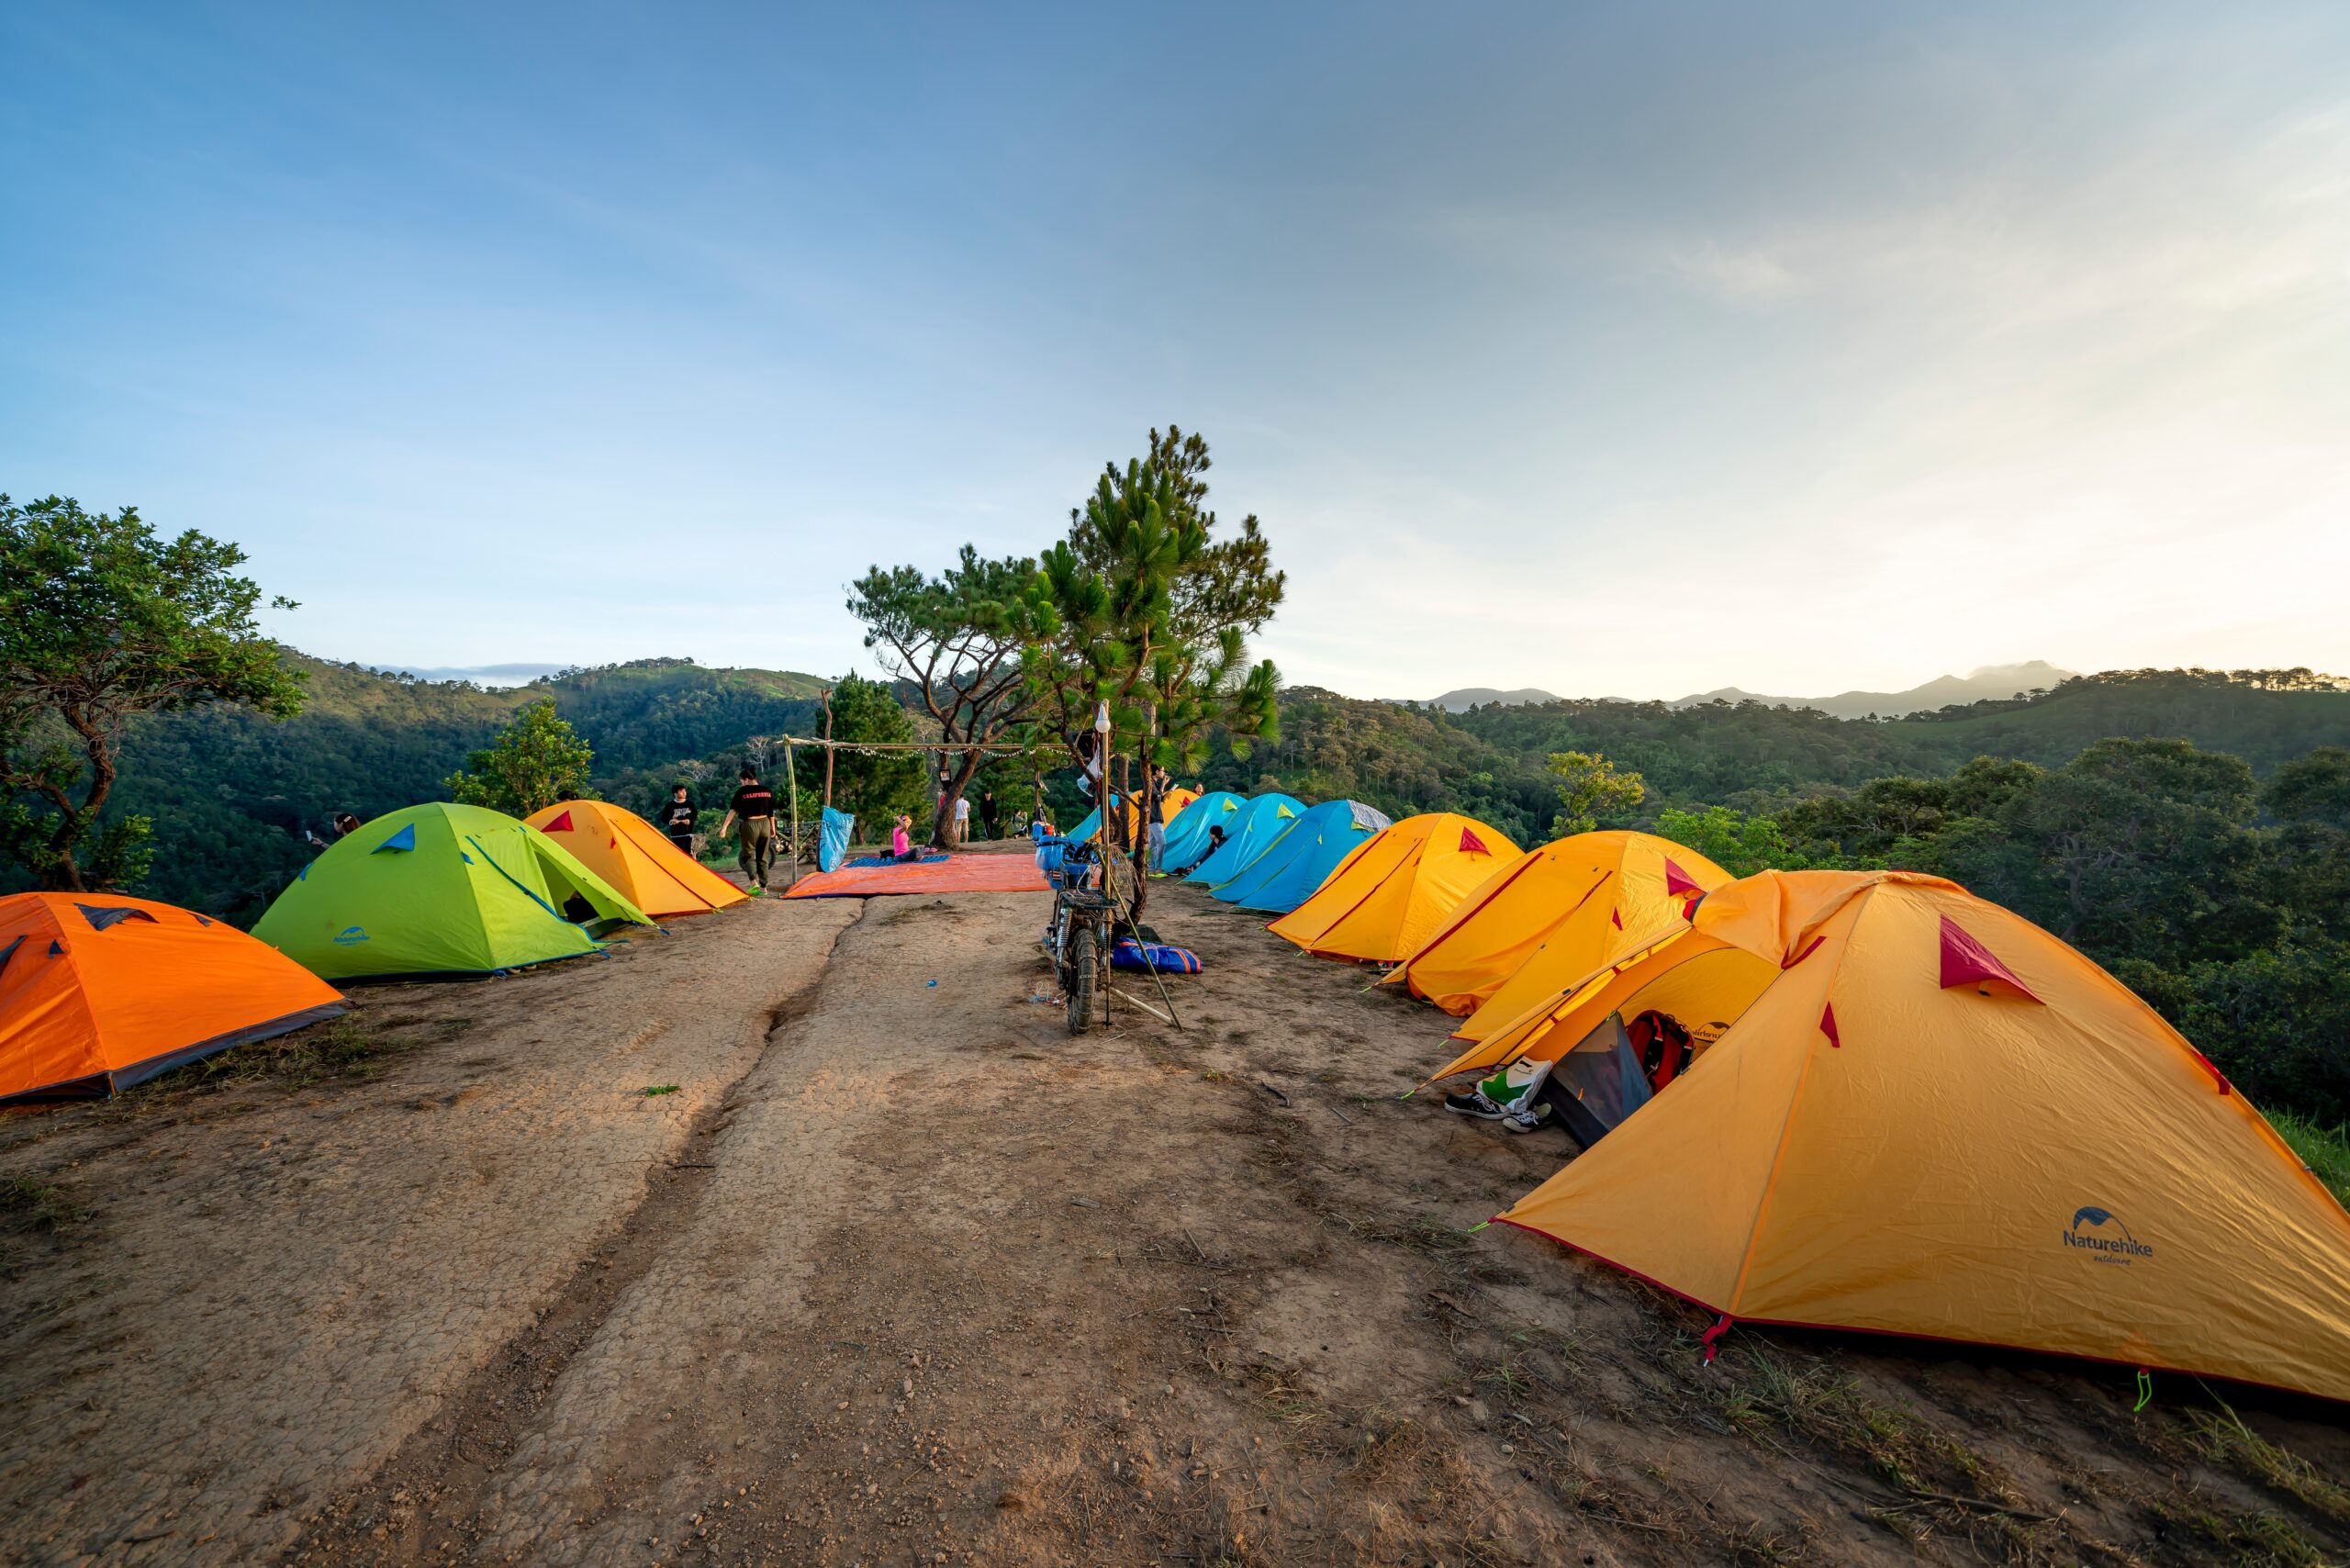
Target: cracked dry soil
902, 1272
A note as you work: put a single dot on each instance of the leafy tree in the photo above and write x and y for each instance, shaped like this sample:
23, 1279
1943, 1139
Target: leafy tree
2137, 848
536, 760
1889, 819
102, 621
1589, 789
957, 638
874, 787
1737, 843
2274, 1021
1150, 615
2312, 789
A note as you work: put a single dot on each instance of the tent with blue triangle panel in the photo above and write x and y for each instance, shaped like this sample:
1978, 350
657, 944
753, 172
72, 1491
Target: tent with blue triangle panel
1187, 835
441, 888
1296, 864
1248, 833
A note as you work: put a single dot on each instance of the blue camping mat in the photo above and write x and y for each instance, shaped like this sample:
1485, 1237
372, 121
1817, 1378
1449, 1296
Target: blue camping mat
1167, 958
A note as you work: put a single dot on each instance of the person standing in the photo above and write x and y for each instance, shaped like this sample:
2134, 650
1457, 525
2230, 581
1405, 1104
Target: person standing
1155, 820
753, 804
990, 815
678, 819
962, 820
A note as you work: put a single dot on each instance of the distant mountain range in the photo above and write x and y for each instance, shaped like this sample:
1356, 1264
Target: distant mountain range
1478, 696
1976, 686
1991, 681
480, 674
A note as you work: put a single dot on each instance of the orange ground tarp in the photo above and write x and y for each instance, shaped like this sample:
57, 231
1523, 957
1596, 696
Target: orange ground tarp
98, 993
1012, 872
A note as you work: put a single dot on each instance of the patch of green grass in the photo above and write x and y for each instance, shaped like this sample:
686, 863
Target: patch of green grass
2221, 1437
2267, 1541
346, 1046
2325, 1150
32, 1205
1760, 1390
28, 1203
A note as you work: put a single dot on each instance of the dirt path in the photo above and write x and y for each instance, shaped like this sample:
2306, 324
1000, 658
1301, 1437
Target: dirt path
905, 1273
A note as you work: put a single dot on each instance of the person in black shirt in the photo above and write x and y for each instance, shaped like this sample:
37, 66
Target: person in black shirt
990, 817
678, 819
753, 804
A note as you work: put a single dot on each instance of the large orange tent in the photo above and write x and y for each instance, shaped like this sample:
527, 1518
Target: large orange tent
1933, 1118
1395, 887
98, 993
1550, 916
636, 859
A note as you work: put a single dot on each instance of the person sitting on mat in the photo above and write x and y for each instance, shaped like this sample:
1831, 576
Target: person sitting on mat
1216, 841
901, 840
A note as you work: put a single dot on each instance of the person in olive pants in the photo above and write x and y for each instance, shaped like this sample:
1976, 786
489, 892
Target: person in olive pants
754, 805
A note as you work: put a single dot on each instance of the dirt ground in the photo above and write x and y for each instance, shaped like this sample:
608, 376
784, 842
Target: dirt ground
900, 1271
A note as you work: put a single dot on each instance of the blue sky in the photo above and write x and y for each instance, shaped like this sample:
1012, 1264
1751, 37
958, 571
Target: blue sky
1630, 350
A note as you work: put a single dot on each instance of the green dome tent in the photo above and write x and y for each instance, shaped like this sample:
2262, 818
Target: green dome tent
441, 889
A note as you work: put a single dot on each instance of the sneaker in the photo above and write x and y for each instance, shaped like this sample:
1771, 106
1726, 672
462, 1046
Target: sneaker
1474, 1104
1526, 1121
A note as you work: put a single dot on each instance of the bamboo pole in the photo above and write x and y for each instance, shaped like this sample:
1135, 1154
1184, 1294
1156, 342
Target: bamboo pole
828, 748
791, 777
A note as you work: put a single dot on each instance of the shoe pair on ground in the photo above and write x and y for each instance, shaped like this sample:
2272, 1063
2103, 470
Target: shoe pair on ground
1513, 1118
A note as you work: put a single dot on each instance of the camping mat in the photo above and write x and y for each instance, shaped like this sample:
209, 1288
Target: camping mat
871, 862
956, 874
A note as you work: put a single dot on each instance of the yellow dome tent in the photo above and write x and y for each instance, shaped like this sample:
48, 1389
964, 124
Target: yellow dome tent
1552, 916
636, 859
1933, 1118
1384, 899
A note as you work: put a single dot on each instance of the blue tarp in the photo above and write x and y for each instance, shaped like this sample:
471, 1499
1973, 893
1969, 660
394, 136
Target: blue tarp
1301, 860
1248, 833
832, 842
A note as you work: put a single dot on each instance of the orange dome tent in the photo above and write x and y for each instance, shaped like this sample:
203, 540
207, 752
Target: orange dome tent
98, 993
636, 859
1552, 916
1392, 891
1930, 1117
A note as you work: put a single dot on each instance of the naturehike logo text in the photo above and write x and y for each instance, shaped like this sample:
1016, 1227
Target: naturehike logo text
2117, 1248
350, 934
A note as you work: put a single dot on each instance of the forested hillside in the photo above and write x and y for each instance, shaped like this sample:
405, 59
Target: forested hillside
232, 794
1489, 760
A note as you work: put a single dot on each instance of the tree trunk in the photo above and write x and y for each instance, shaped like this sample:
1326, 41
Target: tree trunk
1148, 812
64, 872
939, 833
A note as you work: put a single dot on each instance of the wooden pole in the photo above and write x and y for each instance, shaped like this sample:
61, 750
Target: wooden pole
828, 748
792, 775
